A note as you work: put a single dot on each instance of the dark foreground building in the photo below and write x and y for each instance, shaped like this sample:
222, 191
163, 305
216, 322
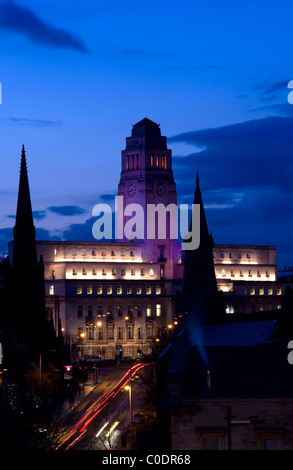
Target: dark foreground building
224, 383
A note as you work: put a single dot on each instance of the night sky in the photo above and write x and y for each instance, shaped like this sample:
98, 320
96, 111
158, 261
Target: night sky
76, 75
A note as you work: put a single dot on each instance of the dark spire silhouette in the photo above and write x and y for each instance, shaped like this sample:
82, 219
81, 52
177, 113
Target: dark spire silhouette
200, 298
24, 249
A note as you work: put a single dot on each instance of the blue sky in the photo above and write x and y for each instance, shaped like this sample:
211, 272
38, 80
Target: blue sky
77, 75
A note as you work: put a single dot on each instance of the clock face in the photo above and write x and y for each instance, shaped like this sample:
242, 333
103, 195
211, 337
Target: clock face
131, 190
160, 189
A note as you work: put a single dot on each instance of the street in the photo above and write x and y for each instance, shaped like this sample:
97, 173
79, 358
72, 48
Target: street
100, 420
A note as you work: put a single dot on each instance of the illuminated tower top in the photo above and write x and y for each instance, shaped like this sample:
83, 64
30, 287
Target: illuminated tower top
146, 134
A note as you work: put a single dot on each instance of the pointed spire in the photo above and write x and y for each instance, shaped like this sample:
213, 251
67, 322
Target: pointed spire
205, 237
24, 229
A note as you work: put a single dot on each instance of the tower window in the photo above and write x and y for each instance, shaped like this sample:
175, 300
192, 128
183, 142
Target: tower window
79, 290
79, 311
89, 290
51, 290
149, 311
99, 290
152, 160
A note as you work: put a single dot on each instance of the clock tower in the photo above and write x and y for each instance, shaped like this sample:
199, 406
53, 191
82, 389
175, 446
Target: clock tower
147, 179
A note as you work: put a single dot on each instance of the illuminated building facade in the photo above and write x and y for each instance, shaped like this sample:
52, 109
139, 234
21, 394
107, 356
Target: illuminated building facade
122, 295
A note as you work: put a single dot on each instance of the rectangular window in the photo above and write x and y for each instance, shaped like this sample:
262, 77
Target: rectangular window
110, 331
151, 272
113, 271
139, 310
120, 332
89, 290
148, 290
252, 291
142, 272
109, 290
129, 331
139, 335
261, 291
99, 290
129, 290
158, 290
94, 272
73, 252
211, 444
90, 311
79, 311
138, 290
279, 291
100, 310
84, 271
149, 311
79, 290
123, 272
270, 291
93, 252
119, 290
51, 290
149, 331
270, 444
158, 310
119, 311
100, 332
132, 271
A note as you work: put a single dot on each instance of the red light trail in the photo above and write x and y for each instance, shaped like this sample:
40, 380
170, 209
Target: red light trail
98, 406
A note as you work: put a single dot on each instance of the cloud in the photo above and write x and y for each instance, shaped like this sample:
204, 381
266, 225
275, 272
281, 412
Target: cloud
14, 17
246, 172
67, 210
39, 215
34, 122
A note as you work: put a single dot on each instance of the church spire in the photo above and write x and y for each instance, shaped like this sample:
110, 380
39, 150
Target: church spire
24, 249
199, 296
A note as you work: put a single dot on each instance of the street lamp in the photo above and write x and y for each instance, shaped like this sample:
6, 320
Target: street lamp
128, 387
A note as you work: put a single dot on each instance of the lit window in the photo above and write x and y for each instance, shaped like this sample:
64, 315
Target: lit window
158, 310
148, 290
89, 290
79, 290
152, 160
55, 251
53, 274
158, 290
138, 290
129, 290
279, 291
51, 290
149, 311
151, 272
99, 290
261, 291
270, 291
109, 290
252, 291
